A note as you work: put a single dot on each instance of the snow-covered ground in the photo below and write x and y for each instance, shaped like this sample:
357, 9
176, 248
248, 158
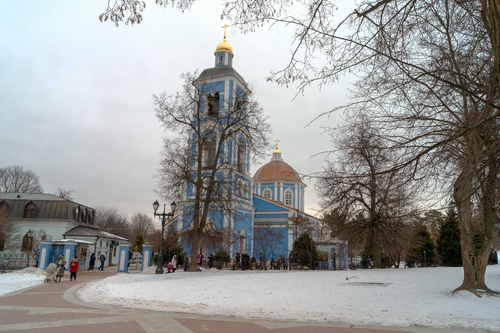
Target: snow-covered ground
381, 297
27, 277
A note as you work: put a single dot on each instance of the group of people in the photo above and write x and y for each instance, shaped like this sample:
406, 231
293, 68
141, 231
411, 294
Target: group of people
74, 263
102, 258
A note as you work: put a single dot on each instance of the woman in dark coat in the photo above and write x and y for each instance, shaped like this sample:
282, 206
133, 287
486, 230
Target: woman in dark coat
211, 260
186, 263
92, 262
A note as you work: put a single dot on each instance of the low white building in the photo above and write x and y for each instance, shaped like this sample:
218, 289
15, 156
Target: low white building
46, 217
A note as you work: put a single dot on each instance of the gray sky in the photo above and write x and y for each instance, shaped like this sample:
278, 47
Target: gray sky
75, 94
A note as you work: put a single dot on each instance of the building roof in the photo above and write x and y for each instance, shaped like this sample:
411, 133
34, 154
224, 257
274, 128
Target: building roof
277, 170
219, 72
48, 206
84, 231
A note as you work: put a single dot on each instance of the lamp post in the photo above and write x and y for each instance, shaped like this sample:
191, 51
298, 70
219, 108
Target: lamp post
163, 218
30, 235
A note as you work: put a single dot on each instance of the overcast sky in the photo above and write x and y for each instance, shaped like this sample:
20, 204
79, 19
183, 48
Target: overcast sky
76, 95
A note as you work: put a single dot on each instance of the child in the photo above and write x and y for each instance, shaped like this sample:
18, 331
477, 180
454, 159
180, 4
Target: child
169, 267
73, 268
61, 263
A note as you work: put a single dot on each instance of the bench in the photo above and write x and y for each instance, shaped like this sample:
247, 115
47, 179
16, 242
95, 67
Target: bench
4, 264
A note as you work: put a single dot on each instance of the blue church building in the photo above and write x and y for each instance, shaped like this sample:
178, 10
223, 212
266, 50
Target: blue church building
270, 199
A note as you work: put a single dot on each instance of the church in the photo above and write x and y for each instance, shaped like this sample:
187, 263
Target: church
269, 202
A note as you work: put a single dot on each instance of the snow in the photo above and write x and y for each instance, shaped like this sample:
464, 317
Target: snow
14, 281
392, 297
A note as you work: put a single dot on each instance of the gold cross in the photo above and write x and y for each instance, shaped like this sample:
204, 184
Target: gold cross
225, 26
277, 142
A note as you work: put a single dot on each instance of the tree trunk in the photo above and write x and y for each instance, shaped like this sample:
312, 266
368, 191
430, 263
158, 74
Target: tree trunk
377, 261
488, 198
494, 31
462, 195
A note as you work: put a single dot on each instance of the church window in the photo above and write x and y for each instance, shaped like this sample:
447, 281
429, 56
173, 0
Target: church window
30, 211
27, 244
245, 190
289, 197
240, 158
77, 214
84, 216
4, 209
213, 104
267, 193
219, 59
209, 153
240, 188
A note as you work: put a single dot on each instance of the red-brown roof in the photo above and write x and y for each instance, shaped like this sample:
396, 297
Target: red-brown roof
277, 170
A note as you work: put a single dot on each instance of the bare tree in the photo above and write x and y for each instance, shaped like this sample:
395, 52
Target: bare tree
368, 203
9, 231
65, 194
193, 158
267, 242
142, 224
112, 221
16, 179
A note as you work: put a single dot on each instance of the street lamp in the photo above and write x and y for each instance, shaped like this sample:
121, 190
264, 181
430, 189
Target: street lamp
163, 218
30, 235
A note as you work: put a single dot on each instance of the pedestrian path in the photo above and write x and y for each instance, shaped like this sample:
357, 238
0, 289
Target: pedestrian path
54, 308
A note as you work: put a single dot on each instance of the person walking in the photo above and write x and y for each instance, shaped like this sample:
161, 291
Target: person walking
186, 263
200, 260
174, 263
73, 268
61, 266
103, 259
238, 260
211, 260
92, 262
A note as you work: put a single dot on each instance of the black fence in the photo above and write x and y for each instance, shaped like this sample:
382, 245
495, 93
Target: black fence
17, 261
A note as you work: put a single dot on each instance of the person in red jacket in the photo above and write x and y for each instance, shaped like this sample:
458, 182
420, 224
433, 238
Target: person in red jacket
73, 268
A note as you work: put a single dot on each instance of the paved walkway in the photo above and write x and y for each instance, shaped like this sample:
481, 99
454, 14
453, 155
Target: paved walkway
54, 308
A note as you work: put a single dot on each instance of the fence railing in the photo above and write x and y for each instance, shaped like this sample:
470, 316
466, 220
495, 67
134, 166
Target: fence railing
18, 261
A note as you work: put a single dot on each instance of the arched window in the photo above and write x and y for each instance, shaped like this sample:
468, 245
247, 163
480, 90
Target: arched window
4, 209
30, 211
84, 216
240, 157
240, 188
27, 244
77, 214
209, 153
213, 104
245, 189
288, 197
302, 200
92, 217
267, 193
219, 59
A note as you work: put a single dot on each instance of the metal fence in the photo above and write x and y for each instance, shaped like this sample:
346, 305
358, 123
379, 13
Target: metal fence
18, 261
134, 266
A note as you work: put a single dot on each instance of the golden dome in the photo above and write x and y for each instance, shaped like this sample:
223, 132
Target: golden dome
224, 46
276, 151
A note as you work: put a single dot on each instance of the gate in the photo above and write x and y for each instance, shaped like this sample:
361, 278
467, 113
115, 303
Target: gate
57, 250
